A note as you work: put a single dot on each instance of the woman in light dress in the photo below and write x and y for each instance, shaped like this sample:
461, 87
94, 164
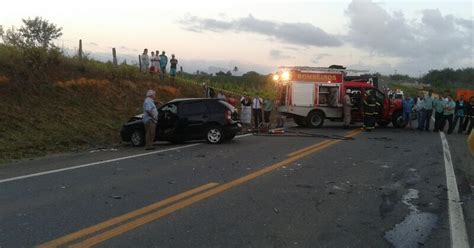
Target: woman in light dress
246, 112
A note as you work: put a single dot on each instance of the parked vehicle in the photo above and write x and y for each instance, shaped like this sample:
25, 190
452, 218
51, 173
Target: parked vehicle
311, 95
188, 119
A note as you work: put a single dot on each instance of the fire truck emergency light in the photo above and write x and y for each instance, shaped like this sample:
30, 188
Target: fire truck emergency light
285, 76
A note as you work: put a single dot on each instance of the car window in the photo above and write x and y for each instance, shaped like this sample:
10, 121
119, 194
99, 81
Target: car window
193, 108
216, 106
171, 108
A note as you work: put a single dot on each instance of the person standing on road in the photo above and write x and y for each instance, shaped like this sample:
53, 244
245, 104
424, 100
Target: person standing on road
347, 108
407, 105
449, 107
370, 111
145, 61
469, 119
257, 110
246, 110
267, 110
459, 113
150, 118
163, 63
419, 106
174, 63
427, 111
439, 113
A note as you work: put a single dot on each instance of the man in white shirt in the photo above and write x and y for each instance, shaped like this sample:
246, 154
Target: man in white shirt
150, 118
257, 110
419, 111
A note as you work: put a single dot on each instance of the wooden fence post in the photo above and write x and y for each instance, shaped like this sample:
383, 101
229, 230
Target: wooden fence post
80, 49
114, 54
140, 62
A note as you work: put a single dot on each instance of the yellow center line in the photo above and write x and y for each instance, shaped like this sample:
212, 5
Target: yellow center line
308, 148
199, 197
119, 219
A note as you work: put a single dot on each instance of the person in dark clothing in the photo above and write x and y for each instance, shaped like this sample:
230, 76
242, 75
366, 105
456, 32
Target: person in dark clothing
257, 103
449, 107
174, 63
459, 113
439, 113
469, 117
370, 111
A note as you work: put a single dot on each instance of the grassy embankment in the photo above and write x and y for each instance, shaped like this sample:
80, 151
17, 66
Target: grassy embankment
51, 103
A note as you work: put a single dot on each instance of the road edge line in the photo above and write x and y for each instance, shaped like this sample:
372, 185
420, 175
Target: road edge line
103, 162
93, 163
457, 225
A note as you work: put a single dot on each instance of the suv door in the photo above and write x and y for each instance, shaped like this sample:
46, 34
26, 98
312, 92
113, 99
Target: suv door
193, 116
167, 121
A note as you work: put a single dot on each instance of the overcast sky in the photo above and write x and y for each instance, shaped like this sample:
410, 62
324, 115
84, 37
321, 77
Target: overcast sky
410, 37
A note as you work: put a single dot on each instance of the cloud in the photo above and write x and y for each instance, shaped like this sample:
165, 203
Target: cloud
318, 57
434, 37
92, 44
279, 55
305, 34
128, 49
467, 24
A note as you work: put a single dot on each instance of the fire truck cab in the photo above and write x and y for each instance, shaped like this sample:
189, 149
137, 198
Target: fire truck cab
311, 95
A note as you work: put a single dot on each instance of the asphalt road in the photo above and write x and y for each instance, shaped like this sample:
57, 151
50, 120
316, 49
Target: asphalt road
386, 188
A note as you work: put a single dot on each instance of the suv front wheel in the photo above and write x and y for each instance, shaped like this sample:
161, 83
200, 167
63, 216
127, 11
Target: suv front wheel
137, 138
214, 135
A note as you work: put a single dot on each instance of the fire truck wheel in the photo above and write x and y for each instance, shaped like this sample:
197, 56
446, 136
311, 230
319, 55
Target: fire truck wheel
315, 119
397, 120
300, 121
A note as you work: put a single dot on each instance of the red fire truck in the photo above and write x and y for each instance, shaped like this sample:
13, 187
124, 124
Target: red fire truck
311, 95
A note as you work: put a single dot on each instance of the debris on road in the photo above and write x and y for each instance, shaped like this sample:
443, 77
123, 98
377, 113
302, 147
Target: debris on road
304, 186
104, 150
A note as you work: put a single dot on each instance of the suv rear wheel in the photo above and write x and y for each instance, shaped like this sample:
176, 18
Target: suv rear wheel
214, 135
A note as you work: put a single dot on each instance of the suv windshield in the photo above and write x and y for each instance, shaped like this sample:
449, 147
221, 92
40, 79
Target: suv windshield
227, 105
172, 108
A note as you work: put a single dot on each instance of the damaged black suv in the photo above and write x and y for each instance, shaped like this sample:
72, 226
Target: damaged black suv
188, 119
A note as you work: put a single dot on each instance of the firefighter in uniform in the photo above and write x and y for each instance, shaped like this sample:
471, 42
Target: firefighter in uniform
347, 107
370, 111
